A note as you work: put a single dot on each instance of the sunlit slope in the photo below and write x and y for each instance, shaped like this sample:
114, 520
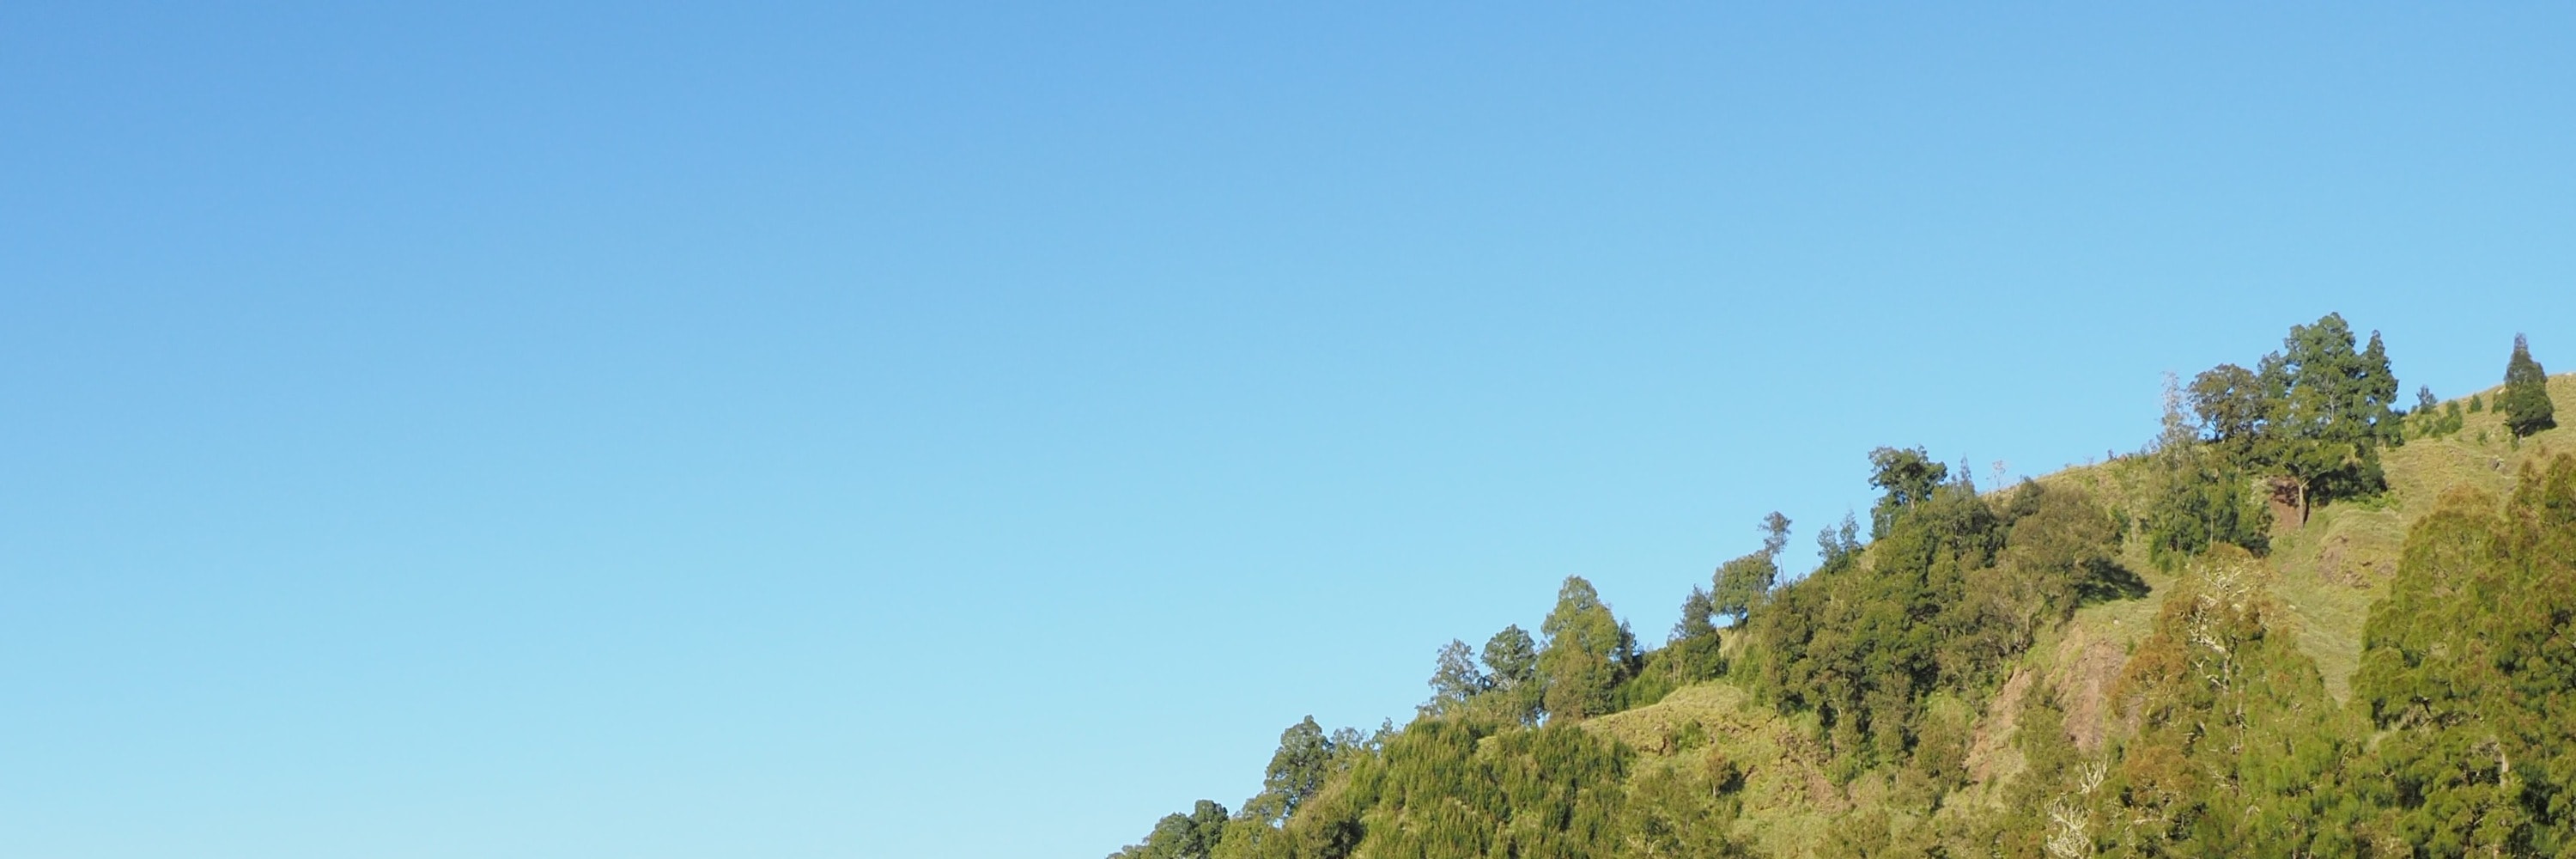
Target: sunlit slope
2325, 575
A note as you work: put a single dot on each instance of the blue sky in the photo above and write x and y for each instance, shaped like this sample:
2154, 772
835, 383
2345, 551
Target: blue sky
976, 431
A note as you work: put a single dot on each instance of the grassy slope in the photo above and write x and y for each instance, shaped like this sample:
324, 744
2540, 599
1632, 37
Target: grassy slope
2328, 573
2325, 574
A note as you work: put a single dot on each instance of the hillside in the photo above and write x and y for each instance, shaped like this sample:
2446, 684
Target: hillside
2325, 574
2085, 663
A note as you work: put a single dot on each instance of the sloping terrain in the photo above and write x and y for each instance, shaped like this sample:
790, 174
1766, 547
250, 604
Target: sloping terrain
2325, 574
2016, 673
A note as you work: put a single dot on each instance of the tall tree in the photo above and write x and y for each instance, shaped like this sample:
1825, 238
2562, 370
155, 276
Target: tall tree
1182, 836
1907, 476
2467, 671
1511, 660
1742, 582
1455, 680
2234, 733
2525, 402
1692, 653
1296, 771
2229, 401
1586, 652
2327, 411
2197, 496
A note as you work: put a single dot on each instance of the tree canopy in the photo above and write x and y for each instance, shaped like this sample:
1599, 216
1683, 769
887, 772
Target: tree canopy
2525, 401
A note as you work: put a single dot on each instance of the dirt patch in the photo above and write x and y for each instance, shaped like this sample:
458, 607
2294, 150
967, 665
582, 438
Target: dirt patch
2087, 667
2284, 501
1991, 756
2339, 564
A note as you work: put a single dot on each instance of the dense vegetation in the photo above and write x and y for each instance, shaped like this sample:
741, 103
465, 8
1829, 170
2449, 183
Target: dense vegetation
2121, 659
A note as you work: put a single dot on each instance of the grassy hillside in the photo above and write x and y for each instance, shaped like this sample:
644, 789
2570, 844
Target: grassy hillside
2330, 571
2199, 705
2326, 574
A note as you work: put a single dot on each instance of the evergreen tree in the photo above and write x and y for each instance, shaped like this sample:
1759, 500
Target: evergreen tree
2525, 401
2237, 744
1585, 655
1512, 657
1692, 653
2466, 667
1183, 836
2327, 412
1511, 662
1455, 681
1295, 773
1742, 582
1907, 476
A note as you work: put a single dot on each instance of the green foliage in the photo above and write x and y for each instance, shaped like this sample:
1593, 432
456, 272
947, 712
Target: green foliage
2525, 401
2199, 496
1588, 652
1742, 583
1454, 680
1692, 654
2432, 418
2201, 499
1837, 548
2037, 805
1195, 835
1454, 789
2467, 667
2316, 413
1954, 590
2237, 750
1295, 773
2231, 402
1512, 658
1682, 811
1907, 476
2215, 734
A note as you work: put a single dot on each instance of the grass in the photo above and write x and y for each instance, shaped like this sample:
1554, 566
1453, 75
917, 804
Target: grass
2325, 575
1788, 801
2329, 572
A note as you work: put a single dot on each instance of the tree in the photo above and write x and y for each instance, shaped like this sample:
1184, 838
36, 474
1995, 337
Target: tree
1586, 654
1511, 660
2466, 668
2236, 742
1182, 836
2197, 496
1692, 653
1697, 609
1512, 657
1296, 772
2229, 402
1742, 582
1455, 680
1908, 475
2327, 410
1838, 547
2525, 401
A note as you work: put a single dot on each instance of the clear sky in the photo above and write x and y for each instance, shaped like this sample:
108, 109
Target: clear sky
640, 430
